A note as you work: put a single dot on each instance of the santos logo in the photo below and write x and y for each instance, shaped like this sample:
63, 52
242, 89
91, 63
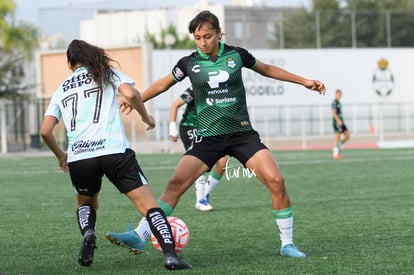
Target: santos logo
215, 78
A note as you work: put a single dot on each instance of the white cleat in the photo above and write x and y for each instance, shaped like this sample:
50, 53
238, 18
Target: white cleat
203, 205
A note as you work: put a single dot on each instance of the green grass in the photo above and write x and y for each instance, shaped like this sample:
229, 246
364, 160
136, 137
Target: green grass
352, 216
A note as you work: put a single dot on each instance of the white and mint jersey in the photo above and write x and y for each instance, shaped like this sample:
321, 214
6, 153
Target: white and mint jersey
219, 92
91, 115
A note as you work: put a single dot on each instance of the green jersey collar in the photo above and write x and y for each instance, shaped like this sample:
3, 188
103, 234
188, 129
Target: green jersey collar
220, 52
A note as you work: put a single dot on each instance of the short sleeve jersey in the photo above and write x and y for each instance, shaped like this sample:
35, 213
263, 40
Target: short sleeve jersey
90, 114
219, 93
336, 105
189, 117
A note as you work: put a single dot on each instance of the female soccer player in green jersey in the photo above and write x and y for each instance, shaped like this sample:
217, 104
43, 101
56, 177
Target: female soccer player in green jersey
224, 127
339, 126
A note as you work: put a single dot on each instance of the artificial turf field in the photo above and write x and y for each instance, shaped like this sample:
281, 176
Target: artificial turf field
352, 216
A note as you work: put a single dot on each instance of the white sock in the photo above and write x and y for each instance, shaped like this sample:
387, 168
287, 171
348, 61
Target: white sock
211, 184
285, 230
143, 229
335, 150
200, 185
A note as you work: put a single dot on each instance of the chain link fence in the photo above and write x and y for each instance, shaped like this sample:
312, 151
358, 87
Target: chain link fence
20, 123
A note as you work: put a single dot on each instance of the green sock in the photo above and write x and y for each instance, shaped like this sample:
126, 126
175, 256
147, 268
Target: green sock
215, 175
165, 207
282, 213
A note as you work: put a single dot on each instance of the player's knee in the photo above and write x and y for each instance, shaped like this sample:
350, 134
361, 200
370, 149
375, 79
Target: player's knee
279, 180
277, 184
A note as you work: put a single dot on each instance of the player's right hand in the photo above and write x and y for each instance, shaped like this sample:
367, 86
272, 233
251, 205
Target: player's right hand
63, 162
124, 105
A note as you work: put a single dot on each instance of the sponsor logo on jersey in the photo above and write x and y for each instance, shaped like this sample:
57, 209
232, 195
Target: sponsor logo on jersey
209, 101
215, 78
82, 146
188, 98
218, 91
218, 101
77, 81
230, 62
178, 74
196, 68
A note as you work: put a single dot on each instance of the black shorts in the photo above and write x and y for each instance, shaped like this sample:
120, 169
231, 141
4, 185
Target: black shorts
339, 129
121, 169
241, 145
187, 135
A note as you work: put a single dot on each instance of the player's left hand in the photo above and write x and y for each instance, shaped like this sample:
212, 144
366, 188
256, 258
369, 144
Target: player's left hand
150, 121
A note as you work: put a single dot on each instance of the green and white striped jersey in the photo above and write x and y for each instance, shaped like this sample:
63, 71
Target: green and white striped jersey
219, 92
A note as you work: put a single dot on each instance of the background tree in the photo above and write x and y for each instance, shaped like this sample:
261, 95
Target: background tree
371, 22
180, 42
298, 30
17, 42
350, 23
334, 24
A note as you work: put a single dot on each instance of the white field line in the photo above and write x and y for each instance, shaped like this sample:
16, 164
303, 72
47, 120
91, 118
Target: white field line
158, 166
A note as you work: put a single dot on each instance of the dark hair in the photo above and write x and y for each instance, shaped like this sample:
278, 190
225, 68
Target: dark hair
93, 58
202, 18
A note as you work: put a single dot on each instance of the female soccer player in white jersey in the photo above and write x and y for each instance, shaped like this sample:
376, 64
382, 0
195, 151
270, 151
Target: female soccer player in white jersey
97, 146
224, 127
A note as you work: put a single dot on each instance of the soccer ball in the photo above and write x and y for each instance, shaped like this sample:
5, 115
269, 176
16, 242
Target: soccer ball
180, 232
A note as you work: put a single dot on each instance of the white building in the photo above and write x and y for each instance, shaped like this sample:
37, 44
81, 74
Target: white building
247, 23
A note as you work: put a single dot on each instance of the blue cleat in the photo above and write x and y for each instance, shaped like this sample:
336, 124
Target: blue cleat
290, 250
129, 240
